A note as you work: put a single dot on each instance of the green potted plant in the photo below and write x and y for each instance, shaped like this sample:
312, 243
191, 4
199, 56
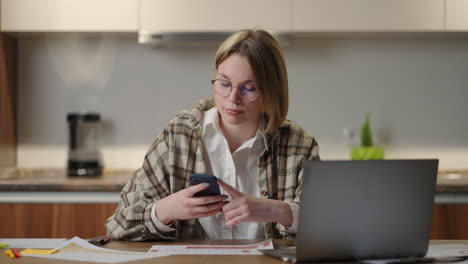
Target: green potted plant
367, 151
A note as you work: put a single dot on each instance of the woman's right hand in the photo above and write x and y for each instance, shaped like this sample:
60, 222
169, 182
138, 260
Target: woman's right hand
184, 205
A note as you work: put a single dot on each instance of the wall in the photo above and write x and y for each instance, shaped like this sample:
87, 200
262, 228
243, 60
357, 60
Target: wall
414, 86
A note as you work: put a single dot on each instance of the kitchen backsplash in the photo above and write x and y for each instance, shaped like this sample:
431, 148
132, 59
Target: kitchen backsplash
415, 88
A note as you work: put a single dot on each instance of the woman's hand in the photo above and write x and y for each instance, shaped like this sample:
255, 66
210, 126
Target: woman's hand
248, 208
183, 205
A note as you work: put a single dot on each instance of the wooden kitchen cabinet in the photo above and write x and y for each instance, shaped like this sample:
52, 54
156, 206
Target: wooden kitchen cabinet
69, 15
8, 98
54, 220
368, 15
456, 17
214, 15
450, 221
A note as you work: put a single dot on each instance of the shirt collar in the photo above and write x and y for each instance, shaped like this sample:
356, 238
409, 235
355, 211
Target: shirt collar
211, 124
210, 121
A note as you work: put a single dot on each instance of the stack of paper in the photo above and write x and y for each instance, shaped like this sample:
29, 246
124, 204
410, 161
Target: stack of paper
251, 249
80, 250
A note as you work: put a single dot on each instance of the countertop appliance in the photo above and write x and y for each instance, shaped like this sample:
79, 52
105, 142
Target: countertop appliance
84, 155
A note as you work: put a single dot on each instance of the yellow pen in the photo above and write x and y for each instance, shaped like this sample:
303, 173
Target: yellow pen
9, 253
3, 245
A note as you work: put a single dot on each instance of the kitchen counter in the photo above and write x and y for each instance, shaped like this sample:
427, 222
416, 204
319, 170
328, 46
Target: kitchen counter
55, 180
53, 186
452, 181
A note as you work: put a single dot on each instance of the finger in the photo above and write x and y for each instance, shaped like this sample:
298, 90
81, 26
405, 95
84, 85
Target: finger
232, 214
237, 220
210, 213
229, 206
229, 189
196, 188
207, 208
207, 199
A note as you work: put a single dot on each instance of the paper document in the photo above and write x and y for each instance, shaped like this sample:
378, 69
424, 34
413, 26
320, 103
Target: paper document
80, 250
251, 249
38, 243
434, 251
31, 251
448, 250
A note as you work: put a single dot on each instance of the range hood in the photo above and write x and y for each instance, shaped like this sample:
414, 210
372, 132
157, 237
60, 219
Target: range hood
163, 39
159, 39
209, 22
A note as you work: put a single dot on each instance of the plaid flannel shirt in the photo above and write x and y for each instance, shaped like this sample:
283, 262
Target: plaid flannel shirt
177, 153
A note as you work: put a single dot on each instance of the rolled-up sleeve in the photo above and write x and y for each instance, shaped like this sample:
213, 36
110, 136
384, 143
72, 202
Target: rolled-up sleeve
132, 220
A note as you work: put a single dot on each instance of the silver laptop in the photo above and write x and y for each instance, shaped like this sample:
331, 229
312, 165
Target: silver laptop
363, 210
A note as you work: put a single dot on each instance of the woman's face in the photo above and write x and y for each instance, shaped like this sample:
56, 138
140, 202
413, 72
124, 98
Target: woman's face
236, 108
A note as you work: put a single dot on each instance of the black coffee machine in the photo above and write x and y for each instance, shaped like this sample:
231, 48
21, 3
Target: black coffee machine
84, 155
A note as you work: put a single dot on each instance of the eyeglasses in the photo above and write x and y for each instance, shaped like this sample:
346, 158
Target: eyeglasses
224, 88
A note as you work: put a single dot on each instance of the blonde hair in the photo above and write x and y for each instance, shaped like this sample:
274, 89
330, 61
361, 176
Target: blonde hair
266, 59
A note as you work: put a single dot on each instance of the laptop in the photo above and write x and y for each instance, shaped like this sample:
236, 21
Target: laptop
373, 209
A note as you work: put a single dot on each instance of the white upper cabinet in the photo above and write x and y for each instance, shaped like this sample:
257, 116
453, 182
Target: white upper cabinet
214, 15
69, 15
232, 15
456, 15
368, 15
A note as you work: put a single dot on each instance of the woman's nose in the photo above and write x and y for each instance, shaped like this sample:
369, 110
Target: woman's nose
234, 95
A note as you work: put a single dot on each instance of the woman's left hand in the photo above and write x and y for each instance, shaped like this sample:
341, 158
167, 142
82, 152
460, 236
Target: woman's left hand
248, 208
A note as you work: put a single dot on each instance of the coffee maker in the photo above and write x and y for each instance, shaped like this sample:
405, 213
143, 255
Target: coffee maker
84, 156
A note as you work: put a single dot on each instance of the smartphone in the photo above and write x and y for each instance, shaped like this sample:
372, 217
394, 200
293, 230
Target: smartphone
201, 178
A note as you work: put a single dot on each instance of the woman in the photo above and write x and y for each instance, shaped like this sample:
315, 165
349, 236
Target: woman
241, 136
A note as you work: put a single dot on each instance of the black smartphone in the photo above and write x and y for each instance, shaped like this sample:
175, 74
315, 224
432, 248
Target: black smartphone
201, 178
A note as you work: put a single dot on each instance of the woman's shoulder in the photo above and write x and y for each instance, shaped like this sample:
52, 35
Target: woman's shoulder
295, 139
293, 134
292, 128
190, 119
